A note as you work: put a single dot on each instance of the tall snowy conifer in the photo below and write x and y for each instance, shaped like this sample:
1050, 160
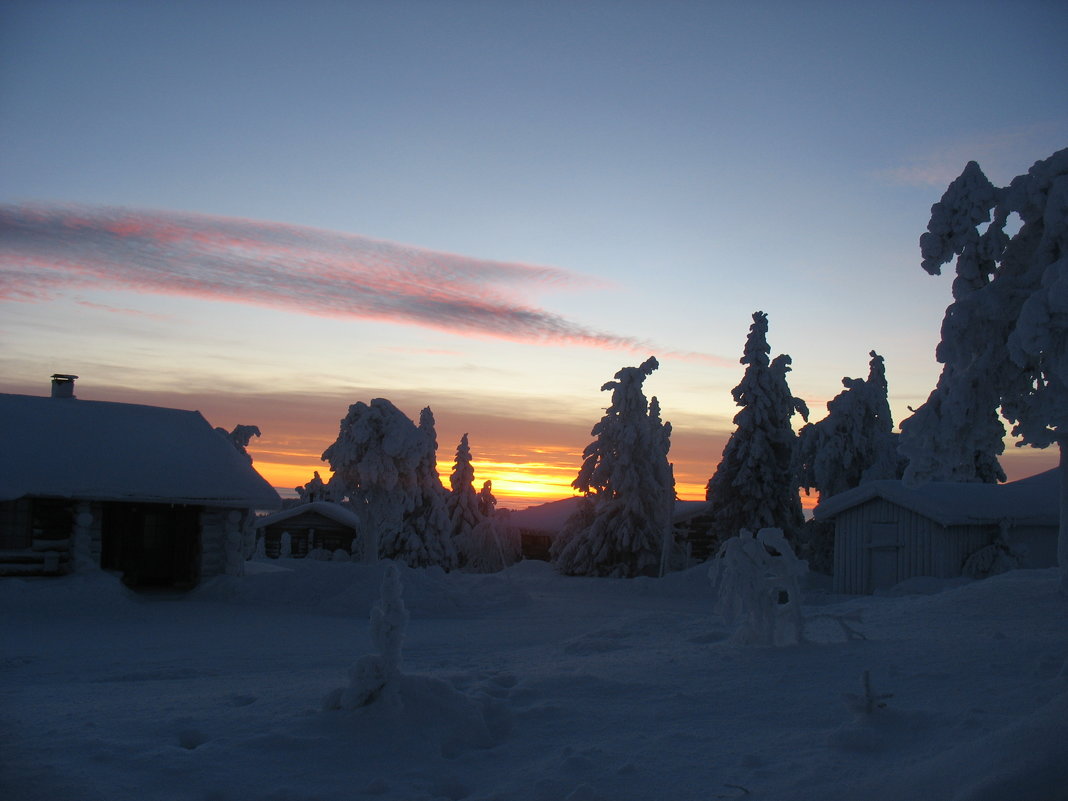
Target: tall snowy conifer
628, 485
956, 434
855, 442
754, 486
380, 460
426, 526
1005, 337
462, 503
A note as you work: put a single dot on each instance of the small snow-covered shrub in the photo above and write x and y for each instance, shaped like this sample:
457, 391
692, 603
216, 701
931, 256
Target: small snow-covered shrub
375, 677
990, 560
757, 587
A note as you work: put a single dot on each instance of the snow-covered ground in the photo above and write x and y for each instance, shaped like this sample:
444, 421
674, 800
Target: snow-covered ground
527, 685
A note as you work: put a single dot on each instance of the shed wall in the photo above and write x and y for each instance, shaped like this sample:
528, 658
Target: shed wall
919, 546
853, 545
1040, 543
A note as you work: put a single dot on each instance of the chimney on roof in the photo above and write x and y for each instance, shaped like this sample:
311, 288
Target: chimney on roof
63, 385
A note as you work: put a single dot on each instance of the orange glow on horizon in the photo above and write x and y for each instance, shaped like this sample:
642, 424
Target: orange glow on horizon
515, 485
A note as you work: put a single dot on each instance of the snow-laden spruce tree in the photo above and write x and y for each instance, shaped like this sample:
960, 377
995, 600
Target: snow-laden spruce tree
626, 477
316, 490
240, 438
427, 526
1005, 337
855, 442
462, 503
663, 476
754, 486
956, 434
379, 461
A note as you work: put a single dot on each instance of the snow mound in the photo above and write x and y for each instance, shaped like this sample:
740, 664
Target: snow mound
350, 589
1026, 759
428, 712
79, 594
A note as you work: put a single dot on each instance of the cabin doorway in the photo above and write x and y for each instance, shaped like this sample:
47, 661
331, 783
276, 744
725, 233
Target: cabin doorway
154, 545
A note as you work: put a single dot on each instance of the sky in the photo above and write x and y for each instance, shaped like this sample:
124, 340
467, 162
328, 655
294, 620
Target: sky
268, 211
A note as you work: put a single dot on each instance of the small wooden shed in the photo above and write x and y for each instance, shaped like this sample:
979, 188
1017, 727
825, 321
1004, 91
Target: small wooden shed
888, 531
319, 524
155, 494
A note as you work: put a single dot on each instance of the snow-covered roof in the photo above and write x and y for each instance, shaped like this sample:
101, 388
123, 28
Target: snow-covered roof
1029, 501
337, 513
98, 450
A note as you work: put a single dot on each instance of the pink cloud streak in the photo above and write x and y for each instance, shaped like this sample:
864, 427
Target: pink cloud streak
47, 249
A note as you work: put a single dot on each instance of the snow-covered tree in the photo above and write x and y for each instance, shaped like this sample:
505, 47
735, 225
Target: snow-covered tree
462, 503
380, 461
956, 434
626, 477
486, 502
1005, 337
757, 583
855, 442
663, 476
427, 524
316, 490
754, 486
490, 546
240, 437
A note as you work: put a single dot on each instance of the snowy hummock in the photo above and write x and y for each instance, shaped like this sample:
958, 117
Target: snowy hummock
528, 686
98, 450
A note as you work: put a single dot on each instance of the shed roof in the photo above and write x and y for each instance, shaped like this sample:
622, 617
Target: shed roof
1029, 501
98, 450
328, 509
